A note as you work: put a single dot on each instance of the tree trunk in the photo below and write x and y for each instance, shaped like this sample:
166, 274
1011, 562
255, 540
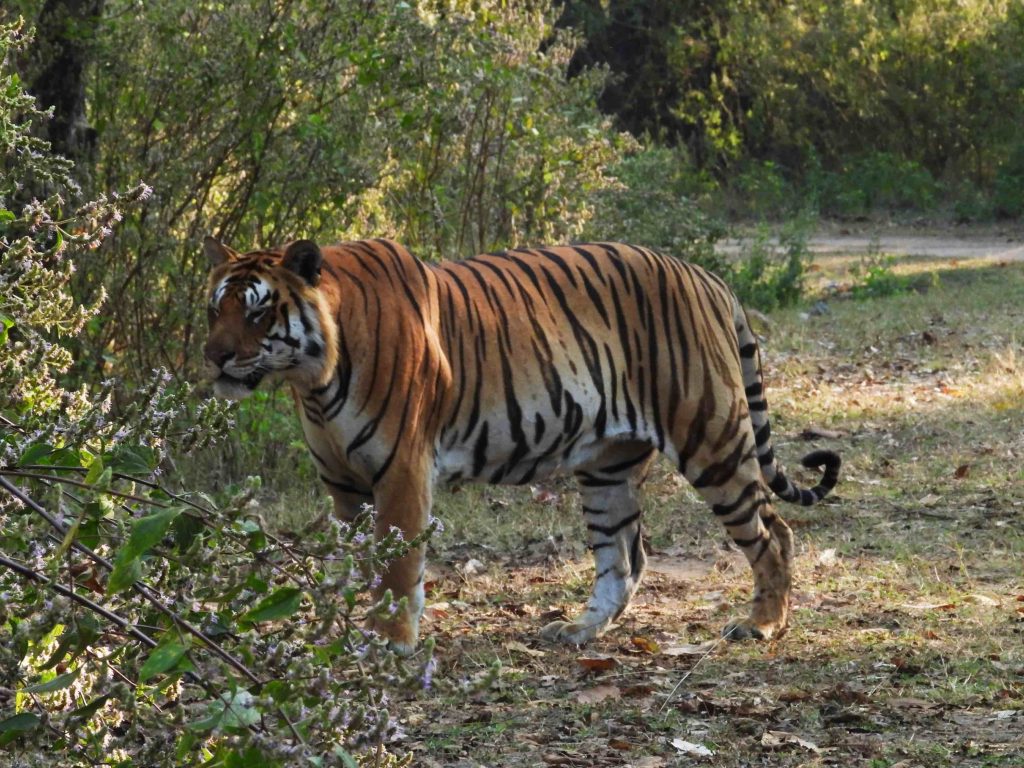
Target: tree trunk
65, 33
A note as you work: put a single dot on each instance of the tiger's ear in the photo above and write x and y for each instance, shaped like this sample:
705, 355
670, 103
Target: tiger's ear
303, 257
217, 252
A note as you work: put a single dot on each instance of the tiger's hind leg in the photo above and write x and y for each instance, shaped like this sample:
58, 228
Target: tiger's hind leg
733, 487
611, 509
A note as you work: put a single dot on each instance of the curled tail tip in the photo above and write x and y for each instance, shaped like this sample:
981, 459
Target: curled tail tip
830, 461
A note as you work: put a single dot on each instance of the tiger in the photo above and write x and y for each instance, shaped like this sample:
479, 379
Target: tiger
510, 368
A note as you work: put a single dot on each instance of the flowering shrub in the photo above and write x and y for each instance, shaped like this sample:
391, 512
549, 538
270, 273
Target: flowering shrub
141, 626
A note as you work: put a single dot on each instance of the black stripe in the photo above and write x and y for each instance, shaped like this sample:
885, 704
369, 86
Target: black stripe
612, 469
611, 530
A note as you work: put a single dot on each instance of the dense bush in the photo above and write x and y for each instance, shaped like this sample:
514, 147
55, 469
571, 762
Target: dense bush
449, 127
138, 626
768, 92
874, 181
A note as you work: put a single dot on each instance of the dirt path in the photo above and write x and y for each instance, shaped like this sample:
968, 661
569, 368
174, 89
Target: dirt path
949, 244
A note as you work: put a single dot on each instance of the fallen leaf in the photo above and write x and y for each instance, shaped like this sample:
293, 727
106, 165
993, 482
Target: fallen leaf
930, 606
815, 433
981, 599
620, 744
828, 557
544, 496
645, 644
688, 649
437, 610
597, 663
472, 567
638, 691
962, 471
563, 757
794, 696
598, 693
520, 648
909, 702
689, 748
776, 739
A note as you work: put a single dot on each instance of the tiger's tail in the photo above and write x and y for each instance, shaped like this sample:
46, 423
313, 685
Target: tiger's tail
771, 470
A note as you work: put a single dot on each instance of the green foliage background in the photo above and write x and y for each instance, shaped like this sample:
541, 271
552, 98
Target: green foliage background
853, 106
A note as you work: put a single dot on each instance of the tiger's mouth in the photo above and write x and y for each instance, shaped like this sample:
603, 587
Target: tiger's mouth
235, 388
251, 380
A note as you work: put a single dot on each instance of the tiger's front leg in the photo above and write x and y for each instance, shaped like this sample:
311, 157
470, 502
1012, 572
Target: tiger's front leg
403, 501
611, 511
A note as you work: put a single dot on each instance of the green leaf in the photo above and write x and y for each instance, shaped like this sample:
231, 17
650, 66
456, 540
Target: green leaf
238, 711
96, 471
89, 532
133, 460
279, 604
185, 744
186, 528
84, 713
127, 570
5, 325
36, 453
149, 530
67, 457
56, 684
12, 727
251, 758
146, 533
66, 639
164, 657
207, 723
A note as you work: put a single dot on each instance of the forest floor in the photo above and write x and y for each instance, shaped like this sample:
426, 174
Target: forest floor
906, 643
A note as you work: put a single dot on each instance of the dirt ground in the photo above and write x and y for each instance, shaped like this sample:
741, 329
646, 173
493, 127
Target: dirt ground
977, 242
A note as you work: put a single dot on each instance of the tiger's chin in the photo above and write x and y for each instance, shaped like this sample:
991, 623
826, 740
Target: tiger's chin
231, 388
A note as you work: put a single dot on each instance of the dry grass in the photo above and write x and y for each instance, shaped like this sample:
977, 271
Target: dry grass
906, 641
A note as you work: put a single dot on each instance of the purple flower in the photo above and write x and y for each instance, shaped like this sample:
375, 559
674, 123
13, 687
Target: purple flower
428, 673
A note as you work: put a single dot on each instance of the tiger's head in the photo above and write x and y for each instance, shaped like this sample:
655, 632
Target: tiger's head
268, 319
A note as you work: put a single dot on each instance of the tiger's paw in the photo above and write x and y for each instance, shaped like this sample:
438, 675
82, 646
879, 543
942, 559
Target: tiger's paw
574, 632
400, 633
747, 629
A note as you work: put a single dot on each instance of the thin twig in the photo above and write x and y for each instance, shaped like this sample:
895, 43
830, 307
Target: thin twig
209, 513
77, 484
689, 672
28, 573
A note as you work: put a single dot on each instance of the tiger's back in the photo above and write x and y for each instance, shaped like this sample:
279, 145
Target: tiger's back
585, 348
